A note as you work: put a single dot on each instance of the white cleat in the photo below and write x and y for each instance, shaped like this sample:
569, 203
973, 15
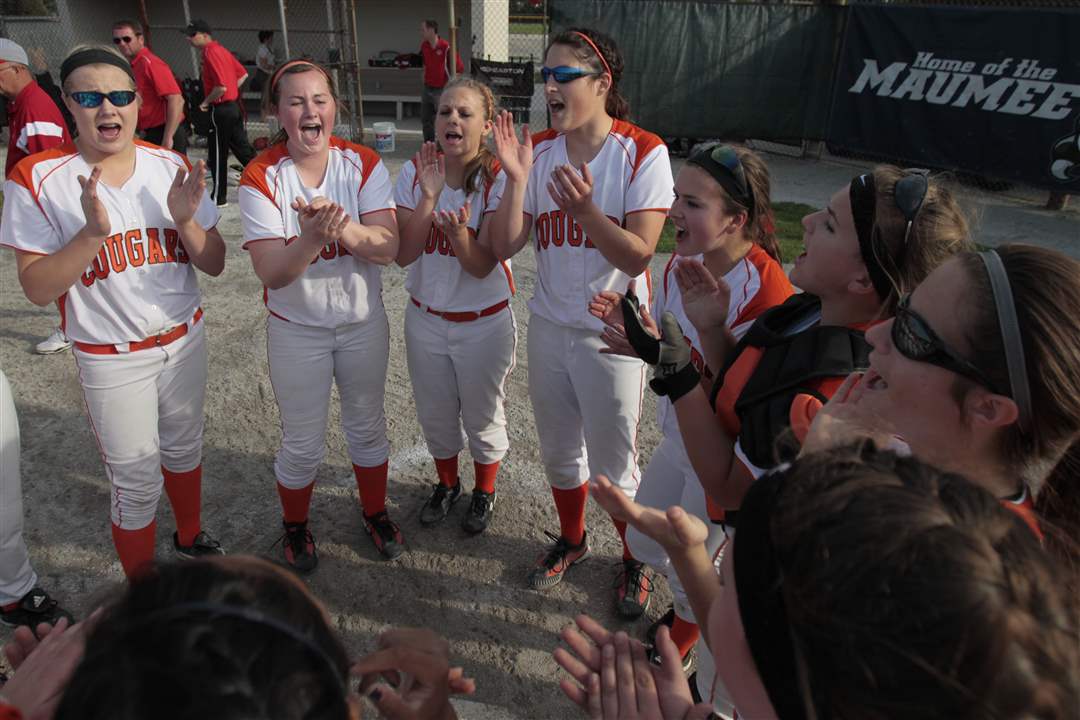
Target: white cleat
56, 343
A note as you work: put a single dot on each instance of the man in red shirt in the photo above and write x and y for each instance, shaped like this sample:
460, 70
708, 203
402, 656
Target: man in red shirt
35, 124
222, 76
161, 115
436, 54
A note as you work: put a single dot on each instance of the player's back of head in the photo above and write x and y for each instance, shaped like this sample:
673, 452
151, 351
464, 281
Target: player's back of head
224, 638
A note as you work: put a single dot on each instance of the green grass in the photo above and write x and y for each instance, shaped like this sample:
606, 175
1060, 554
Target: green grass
526, 28
788, 219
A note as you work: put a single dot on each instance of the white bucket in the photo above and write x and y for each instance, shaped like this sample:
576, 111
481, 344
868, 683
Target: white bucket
384, 136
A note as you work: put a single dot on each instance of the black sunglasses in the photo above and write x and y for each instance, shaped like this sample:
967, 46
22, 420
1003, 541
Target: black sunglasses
909, 195
726, 156
124, 39
93, 99
917, 341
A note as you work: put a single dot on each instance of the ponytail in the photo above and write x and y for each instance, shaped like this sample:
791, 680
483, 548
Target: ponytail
1058, 508
761, 229
600, 53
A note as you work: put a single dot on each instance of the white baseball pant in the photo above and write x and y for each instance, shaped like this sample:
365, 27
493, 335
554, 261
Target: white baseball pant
146, 409
670, 480
304, 361
587, 406
458, 372
16, 576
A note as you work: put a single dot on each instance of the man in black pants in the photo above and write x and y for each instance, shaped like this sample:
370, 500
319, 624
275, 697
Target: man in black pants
222, 76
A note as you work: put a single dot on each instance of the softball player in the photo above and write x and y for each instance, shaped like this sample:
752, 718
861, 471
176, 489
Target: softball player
318, 219
460, 335
113, 230
723, 227
595, 189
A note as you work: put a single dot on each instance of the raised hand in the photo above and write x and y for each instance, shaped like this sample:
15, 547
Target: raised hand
431, 170
97, 218
321, 226
673, 529
843, 420
705, 299
186, 192
606, 305
454, 224
44, 668
515, 157
570, 191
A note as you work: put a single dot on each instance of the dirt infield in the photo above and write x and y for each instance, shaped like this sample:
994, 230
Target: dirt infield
472, 590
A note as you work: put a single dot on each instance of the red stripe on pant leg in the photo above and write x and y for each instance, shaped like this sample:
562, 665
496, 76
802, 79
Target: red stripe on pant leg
371, 482
185, 495
135, 547
485, 475
570, 504
447, 470
295, 504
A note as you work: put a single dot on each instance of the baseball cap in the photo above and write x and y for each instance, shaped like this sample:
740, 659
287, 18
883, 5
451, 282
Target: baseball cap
11, 51
197, 26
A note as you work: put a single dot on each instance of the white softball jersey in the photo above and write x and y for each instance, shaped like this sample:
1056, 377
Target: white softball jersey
142, 281
337, 288
436, 278
757, 283
631, 174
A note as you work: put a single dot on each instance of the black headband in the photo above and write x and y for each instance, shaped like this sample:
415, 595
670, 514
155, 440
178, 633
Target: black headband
93, 56
732, 180
1005, 305
863, 194
759, 584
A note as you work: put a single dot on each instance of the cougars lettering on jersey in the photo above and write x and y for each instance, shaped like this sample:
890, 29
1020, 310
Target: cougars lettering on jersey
337, 288
141, 281
436, 278
631, 173
757, 283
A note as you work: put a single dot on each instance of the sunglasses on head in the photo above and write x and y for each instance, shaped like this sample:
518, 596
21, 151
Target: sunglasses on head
93, 99
726, 156
913, 337
123, 39
909, 195
564, 74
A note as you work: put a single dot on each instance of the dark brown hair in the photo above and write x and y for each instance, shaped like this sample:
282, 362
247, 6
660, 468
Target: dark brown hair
1046, 292
135, 25
480, 170
761, 229
272, 90
940, 231
911, 592
616, 105
224, 638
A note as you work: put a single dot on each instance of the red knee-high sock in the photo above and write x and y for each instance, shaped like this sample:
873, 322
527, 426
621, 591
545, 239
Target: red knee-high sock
570, 505
447, 470
620, 527
371, 482
135, 547
485, 475
295, 503
185, 495
684, 634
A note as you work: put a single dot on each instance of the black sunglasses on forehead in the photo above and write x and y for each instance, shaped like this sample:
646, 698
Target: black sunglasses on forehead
909, 195
913, 337
725, 155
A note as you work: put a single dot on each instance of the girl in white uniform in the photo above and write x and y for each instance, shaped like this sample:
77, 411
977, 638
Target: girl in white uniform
723, 227
112, 230
460, 335
318, 220
595, 189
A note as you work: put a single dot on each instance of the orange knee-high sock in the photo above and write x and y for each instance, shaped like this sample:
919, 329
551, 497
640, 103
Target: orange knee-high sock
135, 547
620, 527
447, 470
295, 503
684, 634
485, 475
185, 495
371, 482
570, 505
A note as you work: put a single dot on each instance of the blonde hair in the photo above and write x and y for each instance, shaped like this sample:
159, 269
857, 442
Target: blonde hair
83, 47
480, 170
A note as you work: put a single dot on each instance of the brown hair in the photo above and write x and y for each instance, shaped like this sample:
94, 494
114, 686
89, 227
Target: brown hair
940, 231
761, 229
1046, 292
610, 60
912, 592
272, 92
480, 170
135, 25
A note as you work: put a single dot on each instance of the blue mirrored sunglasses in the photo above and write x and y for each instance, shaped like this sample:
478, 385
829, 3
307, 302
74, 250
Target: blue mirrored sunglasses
564, 74
93, 99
